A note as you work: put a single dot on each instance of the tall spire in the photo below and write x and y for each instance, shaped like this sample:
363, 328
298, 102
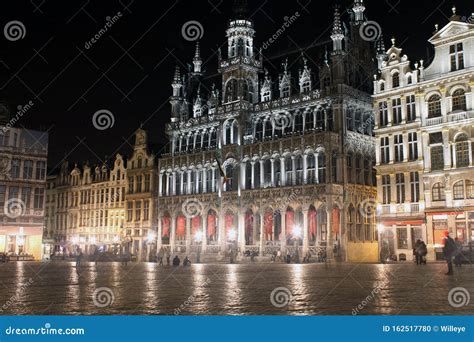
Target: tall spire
177, 82
197, 61
381, 53
359, 9
337, 34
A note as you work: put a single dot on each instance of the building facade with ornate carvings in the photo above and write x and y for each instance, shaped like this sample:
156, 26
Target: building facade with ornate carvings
23, 159
86, 208
273, 163
140, 197
424, 136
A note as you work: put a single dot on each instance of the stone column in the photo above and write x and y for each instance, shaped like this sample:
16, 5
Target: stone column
188, 235
173, 233
305, 232
305, 169
261, 227
222, 237
329, 239
283, 230
293, 170
204, 232
241, 230
213, 180
272, 165
262, 177
204, 180
158, 238
253, 175
447, 151
316, 167
282, 172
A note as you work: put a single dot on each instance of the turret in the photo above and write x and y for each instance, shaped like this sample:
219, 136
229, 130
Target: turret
197, 61
337, 34
381, 52
177, 98
359, 9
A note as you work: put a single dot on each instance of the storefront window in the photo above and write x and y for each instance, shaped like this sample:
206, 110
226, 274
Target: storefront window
402, 239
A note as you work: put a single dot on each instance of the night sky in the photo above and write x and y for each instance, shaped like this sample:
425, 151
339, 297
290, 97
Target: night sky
129, 69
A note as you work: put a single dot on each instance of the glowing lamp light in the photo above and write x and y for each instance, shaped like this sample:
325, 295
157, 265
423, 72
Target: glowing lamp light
151, 237
116, 239
380, 227
297, 232
20, 241
75, 240
93, 240
232, 234
198, 236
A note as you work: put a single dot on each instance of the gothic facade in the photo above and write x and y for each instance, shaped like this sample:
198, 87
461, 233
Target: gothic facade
273, 162
424, 136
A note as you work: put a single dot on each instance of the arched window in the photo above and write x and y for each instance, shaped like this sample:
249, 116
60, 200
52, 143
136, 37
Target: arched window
395, 80
434, 106
190, 141
277, 170
298, 122
210, 184
248, 175
306, 87
288, 170
409, 79
231, 177
358, 121
259, 130
228, 133
462, 151
268, 127
240, 47
256, 175
311, 169
245, 90
251, 91
321, 168
469, 189
213, 137
231, 90
459, 100
438, 192
235, 132
267, 173
320, 120
205, 140
382, 86
309, 120
458, 190
183, 144
350, 223
299, 169
285, 90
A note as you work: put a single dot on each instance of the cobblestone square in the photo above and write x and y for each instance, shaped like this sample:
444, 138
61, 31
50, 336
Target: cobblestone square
56, 288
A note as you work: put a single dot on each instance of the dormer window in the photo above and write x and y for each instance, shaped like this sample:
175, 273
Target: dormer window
306, 87
395, 80
457, 56
409, 79
266, 96
285, 91
382, 86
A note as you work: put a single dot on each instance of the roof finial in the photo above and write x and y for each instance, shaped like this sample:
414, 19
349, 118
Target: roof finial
393, 41
337, 34
358, 9
197, 61
454, 10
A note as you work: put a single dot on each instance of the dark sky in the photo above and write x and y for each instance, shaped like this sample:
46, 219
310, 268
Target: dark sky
128, 71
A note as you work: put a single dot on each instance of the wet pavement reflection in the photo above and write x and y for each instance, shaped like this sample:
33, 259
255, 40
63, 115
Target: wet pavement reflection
29, 288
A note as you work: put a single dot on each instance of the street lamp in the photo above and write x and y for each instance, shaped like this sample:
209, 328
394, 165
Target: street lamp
296, 237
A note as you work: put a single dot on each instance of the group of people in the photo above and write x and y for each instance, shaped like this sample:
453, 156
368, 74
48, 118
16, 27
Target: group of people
177, 261
419, 251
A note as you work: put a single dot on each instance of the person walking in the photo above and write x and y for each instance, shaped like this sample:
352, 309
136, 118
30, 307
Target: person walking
176, 261
79, 256
416, 252
448, 251
458, 253
278, 256
168, 257
423, 250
